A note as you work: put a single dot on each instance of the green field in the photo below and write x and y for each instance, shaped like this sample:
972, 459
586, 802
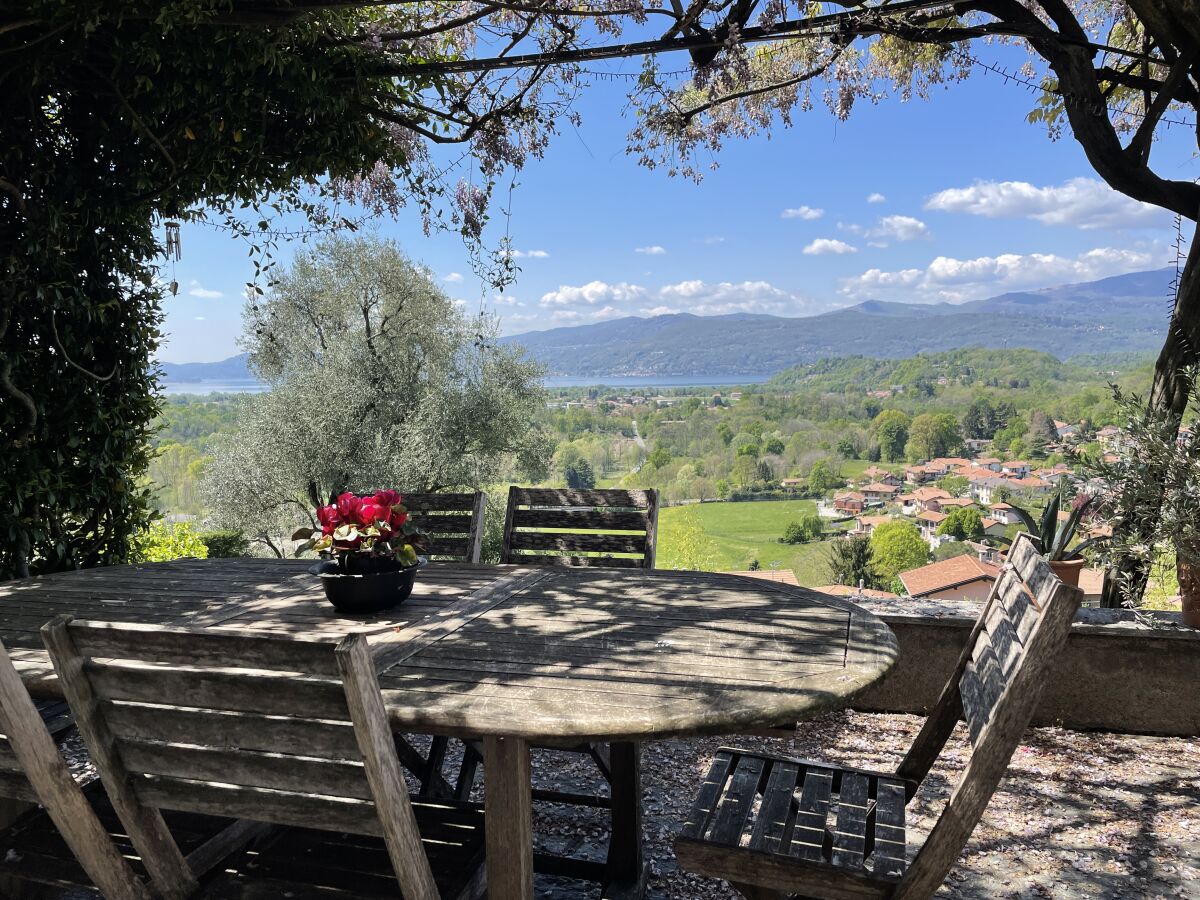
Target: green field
735, 533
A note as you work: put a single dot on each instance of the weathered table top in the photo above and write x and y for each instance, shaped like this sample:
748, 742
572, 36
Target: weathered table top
551, 654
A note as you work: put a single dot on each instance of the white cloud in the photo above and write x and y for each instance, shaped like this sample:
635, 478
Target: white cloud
1084, 203
807, 213
504, 299
876, 198
528, 254
452, 278
716, 239
822, 246
592, 293
199, 318
597, 300
900, 228
198, 290
653, 250
952, 280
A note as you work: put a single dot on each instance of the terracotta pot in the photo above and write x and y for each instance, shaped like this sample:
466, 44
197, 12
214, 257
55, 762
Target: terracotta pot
1068, 570
1189, 589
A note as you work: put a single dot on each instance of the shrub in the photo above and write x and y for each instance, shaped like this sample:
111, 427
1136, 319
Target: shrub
225, 543
162, 542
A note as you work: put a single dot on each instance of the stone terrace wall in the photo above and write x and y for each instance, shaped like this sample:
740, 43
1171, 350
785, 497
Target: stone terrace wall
1116, 674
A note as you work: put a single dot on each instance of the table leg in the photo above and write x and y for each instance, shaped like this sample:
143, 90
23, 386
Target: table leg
626, 866
508, 818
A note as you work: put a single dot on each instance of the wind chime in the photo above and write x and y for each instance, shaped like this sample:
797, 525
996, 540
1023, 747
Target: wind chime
174, 252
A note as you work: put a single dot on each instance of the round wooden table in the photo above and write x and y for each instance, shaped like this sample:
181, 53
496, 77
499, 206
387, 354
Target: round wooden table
520, 656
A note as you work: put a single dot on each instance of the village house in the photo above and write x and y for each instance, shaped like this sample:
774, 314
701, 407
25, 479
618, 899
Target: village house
878, 492
874, 473
864, 525
959, 578
1015, 468
1005, 514
793, 484
993, 527
849, 503
988, 490
951, 502
917, 475
922, 499
928, 522
991, 463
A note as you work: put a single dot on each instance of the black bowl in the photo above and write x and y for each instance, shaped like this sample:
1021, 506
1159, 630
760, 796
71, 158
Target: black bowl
363, 594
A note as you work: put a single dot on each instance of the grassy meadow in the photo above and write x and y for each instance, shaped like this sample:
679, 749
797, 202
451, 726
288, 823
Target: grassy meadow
727, 536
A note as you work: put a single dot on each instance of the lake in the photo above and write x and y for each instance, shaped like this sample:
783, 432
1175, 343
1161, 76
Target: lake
556, 381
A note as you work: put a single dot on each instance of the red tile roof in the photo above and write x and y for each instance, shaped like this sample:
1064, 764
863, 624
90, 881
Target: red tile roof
946, 574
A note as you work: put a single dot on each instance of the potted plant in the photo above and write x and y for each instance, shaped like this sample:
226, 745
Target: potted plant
1056, 536
368, 549
1151, 497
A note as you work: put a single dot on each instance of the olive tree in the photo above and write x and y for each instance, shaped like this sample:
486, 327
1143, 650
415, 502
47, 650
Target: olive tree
378, 380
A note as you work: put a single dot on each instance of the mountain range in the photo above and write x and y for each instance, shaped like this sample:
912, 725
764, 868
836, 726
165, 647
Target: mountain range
1126, 313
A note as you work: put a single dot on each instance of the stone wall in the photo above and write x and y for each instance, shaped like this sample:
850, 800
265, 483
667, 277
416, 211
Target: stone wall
1117, 674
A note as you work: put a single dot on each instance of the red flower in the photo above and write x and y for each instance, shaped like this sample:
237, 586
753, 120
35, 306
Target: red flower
387, 499
398, 519
329, 518
348, 506
371, 512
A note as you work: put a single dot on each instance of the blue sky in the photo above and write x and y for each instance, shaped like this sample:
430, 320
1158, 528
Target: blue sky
942, 200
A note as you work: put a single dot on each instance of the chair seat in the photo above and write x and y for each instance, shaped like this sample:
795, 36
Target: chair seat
805, 827
301, 863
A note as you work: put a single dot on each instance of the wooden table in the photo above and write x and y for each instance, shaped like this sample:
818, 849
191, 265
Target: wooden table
518, 656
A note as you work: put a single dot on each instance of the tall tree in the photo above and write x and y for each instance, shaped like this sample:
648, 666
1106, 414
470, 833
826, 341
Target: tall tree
378, 380
932, 435
851, 562
897, 546
890, 428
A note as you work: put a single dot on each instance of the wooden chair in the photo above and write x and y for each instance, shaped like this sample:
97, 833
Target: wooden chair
260, 728
32, 771
580, 528
774, 826
454, 523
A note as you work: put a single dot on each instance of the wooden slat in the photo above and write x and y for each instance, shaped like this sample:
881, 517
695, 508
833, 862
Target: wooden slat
809, 831
193, 647
771, 823
276, 771
438, 502
850, 833
1018, 607
387, 787
220, 728
607, 562
594, 498
696, 825
974, 702
1005, 643
455, 547
735, 807
509, 815
580, 519
215, 689
442, 524
278, 807
889, 853
15, 786
587, 543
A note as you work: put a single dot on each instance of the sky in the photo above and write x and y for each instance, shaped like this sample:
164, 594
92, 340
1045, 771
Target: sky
944, 200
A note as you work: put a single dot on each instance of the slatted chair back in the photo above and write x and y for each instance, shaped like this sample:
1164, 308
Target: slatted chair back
261, 728
454, 523
998, 682
581, 527
33, 771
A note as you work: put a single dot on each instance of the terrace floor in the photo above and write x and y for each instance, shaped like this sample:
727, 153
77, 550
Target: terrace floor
1079, 814
1101, 815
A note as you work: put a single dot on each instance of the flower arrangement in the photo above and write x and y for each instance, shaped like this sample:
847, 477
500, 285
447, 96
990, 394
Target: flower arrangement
364, 533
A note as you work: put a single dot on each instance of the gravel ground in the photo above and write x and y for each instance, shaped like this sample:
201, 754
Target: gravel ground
1079, 814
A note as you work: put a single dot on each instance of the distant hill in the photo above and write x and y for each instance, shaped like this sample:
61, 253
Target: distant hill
231, 369
1124, 314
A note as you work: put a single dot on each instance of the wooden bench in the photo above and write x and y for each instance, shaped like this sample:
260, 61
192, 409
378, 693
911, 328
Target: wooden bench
261, 728
580, 528
774, 826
